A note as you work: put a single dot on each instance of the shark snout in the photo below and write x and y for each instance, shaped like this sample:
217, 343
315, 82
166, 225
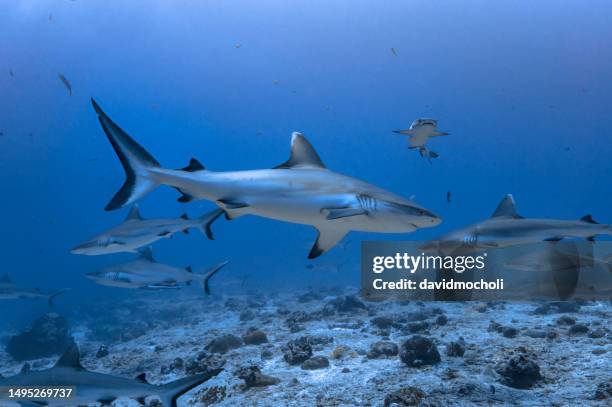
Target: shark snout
83, 248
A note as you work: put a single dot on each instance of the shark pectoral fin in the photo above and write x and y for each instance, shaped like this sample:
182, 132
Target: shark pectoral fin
164, 233
338, 213
327, 238
32, 403
553, 239
438, 134
404, 132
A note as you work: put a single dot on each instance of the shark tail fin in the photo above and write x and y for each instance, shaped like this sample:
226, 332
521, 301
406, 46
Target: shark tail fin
211, 272
207, 220
136, 162
169, 393
55, 294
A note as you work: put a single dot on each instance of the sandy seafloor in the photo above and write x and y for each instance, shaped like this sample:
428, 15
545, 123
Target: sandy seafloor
151, 335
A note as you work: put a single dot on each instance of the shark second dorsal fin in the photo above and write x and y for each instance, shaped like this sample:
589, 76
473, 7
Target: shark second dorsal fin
5, 279
506, 208
147, 254
194, 165
71, 358
303, 155
134, 213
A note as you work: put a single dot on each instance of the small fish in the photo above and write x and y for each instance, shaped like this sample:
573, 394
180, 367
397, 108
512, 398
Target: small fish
50, 17
66, 83
238, 45
393, 52
11, 73
448, 196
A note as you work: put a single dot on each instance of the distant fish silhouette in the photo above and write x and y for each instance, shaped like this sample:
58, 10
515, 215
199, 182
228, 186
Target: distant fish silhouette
448, 196
393, 52
238, 45
11, 73
66, 83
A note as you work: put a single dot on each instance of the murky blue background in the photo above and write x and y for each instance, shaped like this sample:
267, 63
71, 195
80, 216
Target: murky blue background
525, 89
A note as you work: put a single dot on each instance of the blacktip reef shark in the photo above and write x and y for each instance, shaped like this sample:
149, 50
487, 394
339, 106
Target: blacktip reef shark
420, 132
301, 190
90, 387
145, 273
8, 291
136, 232
507, 228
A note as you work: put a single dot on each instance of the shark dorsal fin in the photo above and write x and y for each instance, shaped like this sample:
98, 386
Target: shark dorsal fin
134, 213
194, 165
302, 154
147, 254
142, 378
184, 216
589, 219
6, 279
25, 369
189, 269
71, 358
506, 208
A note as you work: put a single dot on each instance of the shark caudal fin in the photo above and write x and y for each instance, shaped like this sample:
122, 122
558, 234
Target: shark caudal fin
136, 162
211, 272
55, 294
207, 220
169, 393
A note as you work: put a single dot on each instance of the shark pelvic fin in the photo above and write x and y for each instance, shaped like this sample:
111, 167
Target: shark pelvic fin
303, 155
134, 213
71, 358
194, 165
326, 239
506, 208
589, 219
147, 254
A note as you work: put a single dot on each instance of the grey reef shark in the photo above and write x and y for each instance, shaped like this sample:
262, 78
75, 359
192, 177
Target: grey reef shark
145, 273
420, 131
506, 228
136, 232
8, 291
90, 387
301, 190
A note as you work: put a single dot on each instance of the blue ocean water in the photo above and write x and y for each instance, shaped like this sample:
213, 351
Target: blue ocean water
525, 91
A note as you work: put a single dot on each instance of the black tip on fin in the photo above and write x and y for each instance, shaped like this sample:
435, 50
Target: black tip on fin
142, 378
194, 165
589, 219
